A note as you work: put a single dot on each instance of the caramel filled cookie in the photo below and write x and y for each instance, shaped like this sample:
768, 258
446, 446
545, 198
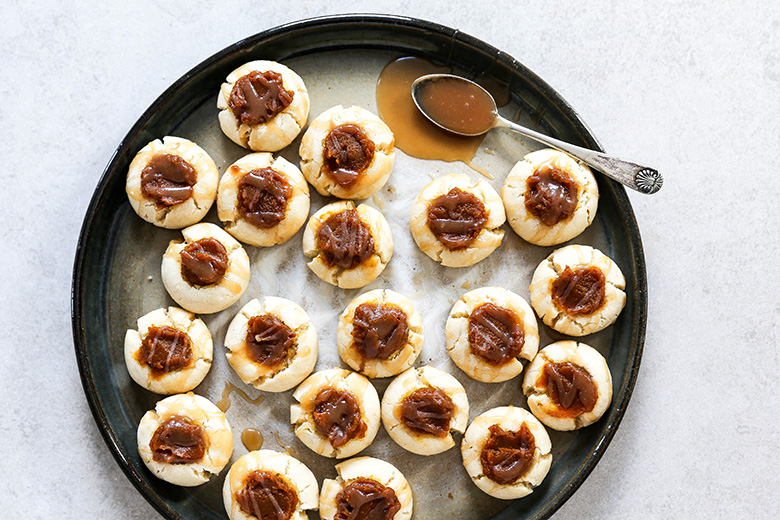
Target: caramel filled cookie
338, 414
457, 222
422, 407
207, 272
366, 488
347, 153
265, 484
170, 353
185, 440
506, 452
271, 345
550, 197
263, 201
349, 247
578, 290
568, 385
379, 333
490, 332
172, 183
263, 106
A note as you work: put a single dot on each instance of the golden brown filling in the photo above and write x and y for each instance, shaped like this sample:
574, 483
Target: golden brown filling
507, 455
164, 350
456, 218
552, 195
336, 415
267, 496
345, 240
168, 180
263, 195
366, 499
204, 262
580, 290
268, 340
428, 411
347, 153
570, 387
257, 97
495, 334
178, 440
379, 330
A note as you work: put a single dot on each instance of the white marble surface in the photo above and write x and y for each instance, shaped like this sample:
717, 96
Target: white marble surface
689, 87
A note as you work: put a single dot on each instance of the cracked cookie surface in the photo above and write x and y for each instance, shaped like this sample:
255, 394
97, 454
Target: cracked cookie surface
383, 316
576, 393
291, 363
406, 385
261, 481
334, 258
197, 413
536, 208
359, 392
509, 419
564, 317
162, 335
278, 130
262, 200
375, 475
223, 290
178, 193
485, 364
347, 153
464, 226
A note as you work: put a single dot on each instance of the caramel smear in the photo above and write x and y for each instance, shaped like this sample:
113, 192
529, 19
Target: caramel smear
224, 403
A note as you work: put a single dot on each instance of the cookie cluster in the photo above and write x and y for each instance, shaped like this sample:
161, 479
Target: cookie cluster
491, 333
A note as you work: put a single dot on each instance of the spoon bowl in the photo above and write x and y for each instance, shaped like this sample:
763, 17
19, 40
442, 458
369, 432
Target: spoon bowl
462, 107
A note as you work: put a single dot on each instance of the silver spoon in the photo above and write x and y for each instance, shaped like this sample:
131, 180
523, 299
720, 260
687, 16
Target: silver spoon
462, 107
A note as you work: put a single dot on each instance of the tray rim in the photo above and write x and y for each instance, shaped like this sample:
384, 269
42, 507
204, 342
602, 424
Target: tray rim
618, 191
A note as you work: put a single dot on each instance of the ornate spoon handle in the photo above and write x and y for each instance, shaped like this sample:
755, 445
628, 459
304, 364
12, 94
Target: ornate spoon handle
640, 178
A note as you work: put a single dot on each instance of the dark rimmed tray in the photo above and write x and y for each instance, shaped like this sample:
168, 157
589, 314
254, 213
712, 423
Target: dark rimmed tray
109, 221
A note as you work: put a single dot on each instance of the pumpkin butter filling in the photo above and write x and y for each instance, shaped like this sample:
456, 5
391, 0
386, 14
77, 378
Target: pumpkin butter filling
267, 496
164, 350
347, 153
178, 440
337, 417
168, 180
258, 97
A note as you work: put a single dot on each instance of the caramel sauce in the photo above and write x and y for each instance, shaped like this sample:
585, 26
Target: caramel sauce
257, 97
168, 180
552, 194
178, 440
456, 218
570, 387
507, 455
204, 262
164, 350
379, 330
428, 411
224, 403
366, 499
580, 290
268, 340
414, 134
495, 334
337, 416
345, 240
263, 195
459, 106
267, 496
252, 439
289, 450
